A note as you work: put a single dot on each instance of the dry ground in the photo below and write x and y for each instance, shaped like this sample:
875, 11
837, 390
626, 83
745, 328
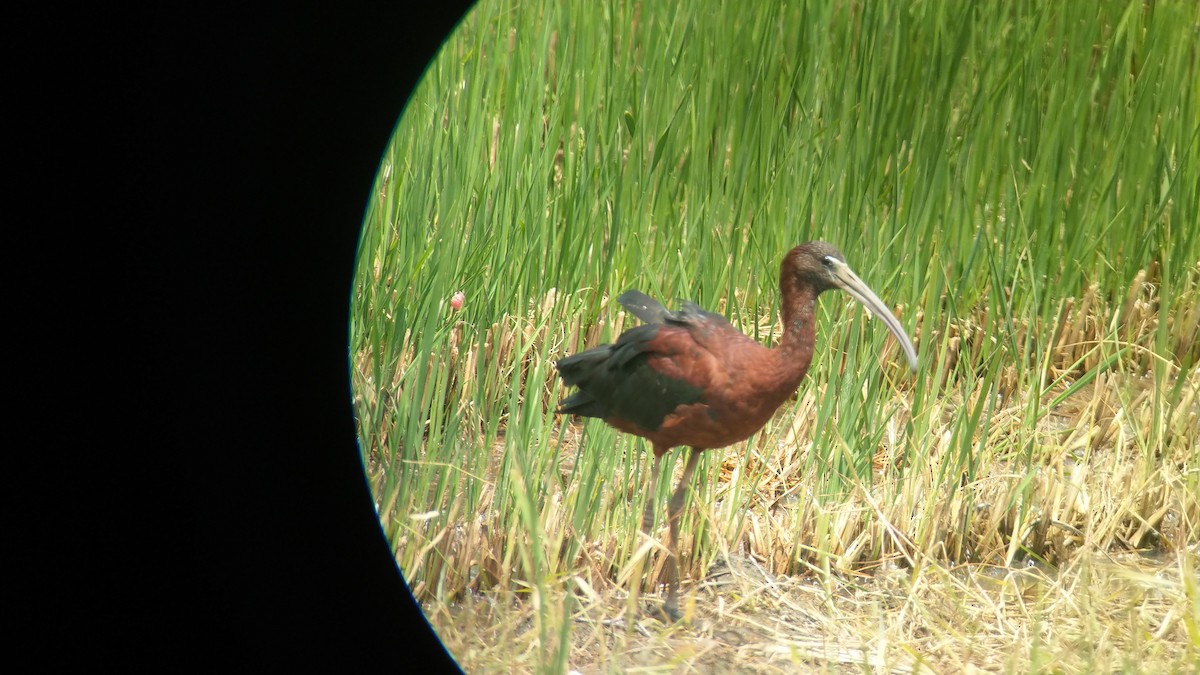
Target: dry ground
1100, 613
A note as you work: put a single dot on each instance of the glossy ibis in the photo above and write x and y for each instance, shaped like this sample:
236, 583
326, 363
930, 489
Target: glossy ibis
690, 378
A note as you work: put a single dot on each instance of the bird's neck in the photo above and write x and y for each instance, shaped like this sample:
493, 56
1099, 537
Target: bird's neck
795, 350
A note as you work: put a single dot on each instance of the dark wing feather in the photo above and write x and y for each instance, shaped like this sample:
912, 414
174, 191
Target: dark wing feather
617, 380
643, 306
695, 315
650, 310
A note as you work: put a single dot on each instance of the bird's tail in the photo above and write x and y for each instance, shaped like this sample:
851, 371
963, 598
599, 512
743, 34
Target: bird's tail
577, 370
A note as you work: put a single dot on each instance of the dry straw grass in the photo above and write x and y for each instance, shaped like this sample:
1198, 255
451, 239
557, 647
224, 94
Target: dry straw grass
1101, 613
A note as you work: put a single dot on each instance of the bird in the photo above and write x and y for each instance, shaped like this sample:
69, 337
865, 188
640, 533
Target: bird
689, 378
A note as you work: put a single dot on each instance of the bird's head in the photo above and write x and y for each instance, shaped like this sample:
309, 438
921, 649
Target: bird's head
823, 267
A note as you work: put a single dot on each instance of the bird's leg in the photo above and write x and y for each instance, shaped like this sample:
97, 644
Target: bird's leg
671, 608
652, 498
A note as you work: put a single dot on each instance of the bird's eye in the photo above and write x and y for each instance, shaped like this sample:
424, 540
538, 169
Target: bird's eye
827, 261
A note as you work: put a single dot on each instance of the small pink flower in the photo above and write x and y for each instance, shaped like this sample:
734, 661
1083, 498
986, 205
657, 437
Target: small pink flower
456, 301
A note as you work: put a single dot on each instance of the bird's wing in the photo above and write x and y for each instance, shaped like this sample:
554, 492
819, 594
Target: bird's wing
649, 372
650, 310
693, 314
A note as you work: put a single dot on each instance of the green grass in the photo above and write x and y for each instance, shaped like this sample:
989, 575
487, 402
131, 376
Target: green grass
1020, 180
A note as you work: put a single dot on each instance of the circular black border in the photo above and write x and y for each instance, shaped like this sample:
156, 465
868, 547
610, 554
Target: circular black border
337, 81
216, 163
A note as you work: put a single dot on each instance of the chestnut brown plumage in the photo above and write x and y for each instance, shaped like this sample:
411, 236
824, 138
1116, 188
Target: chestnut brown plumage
690, 378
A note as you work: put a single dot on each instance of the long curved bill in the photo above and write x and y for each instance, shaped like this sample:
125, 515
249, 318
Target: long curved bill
848, 281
